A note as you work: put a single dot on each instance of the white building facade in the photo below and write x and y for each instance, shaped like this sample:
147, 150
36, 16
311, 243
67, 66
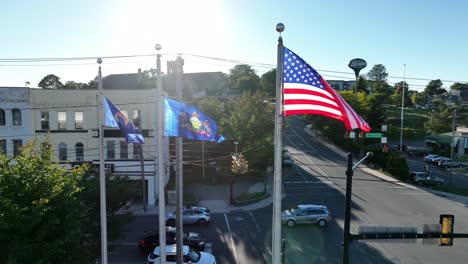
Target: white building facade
15, 119
70, 119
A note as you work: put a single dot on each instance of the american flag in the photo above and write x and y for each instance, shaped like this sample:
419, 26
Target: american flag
306, 92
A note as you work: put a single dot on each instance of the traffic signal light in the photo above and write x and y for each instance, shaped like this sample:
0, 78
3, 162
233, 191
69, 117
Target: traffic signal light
447, 222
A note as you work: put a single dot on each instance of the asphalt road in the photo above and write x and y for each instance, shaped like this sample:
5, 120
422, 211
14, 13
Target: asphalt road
318, 177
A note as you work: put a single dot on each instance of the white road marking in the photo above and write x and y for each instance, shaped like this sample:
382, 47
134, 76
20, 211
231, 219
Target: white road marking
416, 193
255, 222
300, 182
232, 240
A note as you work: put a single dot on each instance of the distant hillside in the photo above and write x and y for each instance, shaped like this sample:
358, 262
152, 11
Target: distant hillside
413, 123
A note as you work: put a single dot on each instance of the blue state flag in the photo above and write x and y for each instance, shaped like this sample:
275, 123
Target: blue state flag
186, 121
115, 118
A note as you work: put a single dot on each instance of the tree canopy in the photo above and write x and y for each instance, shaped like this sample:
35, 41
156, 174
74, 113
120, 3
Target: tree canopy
378, 73
50, 81
434, 87
243, 78
49, 214
268, 82
459, 86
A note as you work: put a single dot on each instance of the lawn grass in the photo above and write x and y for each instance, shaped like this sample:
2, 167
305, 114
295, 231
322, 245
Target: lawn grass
454, 190
413, 124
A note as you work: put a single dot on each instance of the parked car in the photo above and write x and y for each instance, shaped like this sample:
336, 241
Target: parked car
423, 178
194, 207
151, 240
306, 213
447, 163
441, 161
191, 215
189, 255
430, 158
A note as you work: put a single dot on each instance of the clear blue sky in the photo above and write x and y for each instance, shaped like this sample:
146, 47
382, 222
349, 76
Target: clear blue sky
429, 36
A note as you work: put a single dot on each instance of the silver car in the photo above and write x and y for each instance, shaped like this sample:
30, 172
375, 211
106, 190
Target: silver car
306, 214
190, 215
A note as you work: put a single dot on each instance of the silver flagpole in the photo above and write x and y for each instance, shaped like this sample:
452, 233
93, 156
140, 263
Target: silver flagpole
102, 175
276, 236
161, 197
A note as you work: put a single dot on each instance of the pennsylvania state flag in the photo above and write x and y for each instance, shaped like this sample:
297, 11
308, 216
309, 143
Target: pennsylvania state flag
186, 121
115, 118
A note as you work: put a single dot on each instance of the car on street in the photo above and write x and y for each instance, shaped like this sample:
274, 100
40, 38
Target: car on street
423, 178
189, 255
447, 163
306, 214
191, 215
432, 158
151, 240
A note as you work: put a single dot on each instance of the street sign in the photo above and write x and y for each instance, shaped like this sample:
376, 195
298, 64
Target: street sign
373, 135
383, 140
352, 134
384, 128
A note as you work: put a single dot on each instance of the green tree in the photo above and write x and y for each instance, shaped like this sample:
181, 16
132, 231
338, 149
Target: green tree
434, 87
50, 81
418, 98
398, 88
249, 120
268, 82
378, 73
243, 78
362, 84
212, 107
50, 214
71, 85
40, 208
459, 86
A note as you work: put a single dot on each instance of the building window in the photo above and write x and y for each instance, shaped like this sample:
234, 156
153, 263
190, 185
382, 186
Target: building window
136, 150
2, 117
123, 149
3, 149
78, 120
62, 151
62, 120
137, 118
17, 144
111, 149
16, 117
44, 120
79, 151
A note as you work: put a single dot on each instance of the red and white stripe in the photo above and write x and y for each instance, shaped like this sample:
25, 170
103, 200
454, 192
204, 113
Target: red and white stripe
308, 99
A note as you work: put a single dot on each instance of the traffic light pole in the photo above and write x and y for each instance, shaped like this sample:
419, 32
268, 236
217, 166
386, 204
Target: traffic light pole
347, 221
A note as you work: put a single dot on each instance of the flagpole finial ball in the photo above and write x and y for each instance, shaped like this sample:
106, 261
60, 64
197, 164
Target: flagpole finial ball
157, 47
99, 60
280, 27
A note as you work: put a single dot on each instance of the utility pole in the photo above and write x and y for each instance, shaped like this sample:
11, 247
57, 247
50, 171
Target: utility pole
454, 116
402, 106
